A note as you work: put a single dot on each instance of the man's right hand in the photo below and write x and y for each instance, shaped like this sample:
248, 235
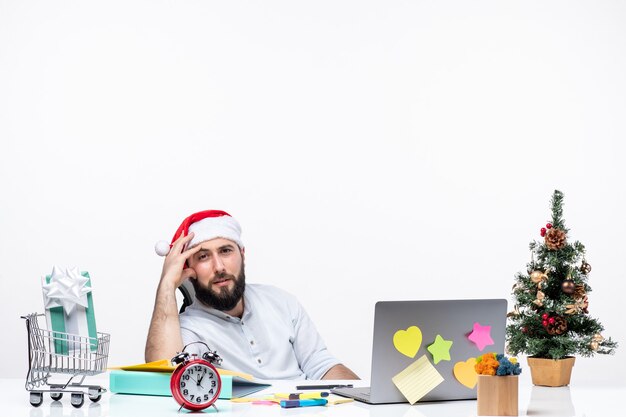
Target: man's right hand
164, 338
174, 271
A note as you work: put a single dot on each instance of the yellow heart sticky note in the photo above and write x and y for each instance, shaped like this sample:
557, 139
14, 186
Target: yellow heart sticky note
408, 341
465, 373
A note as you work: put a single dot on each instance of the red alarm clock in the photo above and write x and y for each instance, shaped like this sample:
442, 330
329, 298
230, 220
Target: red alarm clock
195, 383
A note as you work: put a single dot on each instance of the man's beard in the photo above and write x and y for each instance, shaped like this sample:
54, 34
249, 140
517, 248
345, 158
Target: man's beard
225, 299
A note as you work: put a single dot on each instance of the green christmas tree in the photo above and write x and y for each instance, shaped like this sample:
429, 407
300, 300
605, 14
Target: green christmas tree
551, 314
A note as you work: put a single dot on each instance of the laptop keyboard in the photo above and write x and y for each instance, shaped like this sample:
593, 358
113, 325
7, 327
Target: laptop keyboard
365, 392
362, 393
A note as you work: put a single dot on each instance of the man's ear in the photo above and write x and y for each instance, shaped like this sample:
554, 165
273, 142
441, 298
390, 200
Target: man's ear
243, 253
189, 273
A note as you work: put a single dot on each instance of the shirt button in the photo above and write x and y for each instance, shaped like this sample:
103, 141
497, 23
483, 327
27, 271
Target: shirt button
258, 360
252, 342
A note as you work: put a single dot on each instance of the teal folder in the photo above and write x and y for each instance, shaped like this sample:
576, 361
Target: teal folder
158, 383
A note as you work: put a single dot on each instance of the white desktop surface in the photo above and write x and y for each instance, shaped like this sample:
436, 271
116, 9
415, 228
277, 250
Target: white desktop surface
577, 400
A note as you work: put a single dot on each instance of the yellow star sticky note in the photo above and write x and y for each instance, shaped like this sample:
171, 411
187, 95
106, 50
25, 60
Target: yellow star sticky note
417, 380
440, 349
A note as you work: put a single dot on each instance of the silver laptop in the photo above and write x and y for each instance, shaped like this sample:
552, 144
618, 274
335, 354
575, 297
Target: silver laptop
451, 319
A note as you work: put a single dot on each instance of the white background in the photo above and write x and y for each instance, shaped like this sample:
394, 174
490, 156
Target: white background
372, 150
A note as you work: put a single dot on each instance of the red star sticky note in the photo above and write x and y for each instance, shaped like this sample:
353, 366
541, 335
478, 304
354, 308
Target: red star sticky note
481, 336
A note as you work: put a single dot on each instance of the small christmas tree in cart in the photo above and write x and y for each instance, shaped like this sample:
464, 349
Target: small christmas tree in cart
550, 321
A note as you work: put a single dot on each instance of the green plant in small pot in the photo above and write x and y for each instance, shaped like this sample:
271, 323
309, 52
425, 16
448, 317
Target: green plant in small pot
550, 321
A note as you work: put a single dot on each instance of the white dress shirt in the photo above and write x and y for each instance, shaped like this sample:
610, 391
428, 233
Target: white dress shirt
274, 339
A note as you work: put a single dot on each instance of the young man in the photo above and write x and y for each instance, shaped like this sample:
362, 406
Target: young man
256, 329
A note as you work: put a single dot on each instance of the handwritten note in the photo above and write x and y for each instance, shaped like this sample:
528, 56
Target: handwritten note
417, 380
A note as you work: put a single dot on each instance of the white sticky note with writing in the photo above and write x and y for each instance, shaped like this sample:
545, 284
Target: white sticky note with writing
417, 380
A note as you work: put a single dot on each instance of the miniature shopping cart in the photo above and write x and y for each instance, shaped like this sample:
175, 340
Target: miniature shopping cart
51, 352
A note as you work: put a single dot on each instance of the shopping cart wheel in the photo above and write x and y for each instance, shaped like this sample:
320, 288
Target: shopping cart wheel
56, 396
95, 393
36, 398
77, 399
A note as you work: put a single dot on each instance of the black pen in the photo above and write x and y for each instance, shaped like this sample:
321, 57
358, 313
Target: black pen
302, 387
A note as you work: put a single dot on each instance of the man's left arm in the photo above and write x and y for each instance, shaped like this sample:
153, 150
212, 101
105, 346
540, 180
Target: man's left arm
340, 372
311, 352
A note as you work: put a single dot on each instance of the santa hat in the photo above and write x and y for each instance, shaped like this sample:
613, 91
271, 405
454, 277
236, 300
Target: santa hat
206, 225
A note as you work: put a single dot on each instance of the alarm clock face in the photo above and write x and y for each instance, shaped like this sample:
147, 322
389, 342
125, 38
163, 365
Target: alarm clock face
197, 385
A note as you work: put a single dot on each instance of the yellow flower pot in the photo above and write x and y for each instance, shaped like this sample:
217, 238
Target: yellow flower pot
551, 372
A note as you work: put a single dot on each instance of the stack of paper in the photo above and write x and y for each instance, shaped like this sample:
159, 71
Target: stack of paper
153, 378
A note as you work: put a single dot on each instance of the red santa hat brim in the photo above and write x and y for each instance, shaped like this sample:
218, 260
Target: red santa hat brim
206, 225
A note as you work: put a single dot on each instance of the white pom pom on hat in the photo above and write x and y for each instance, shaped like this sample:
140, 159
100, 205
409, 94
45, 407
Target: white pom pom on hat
162, 248
206, 225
